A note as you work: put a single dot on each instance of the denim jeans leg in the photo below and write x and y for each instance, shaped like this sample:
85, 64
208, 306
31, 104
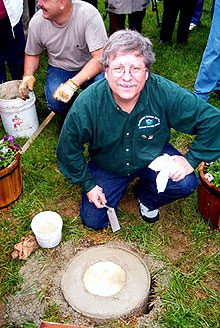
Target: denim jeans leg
147, 189
56, 76
94, 79
113, 187
196, 19
208, 77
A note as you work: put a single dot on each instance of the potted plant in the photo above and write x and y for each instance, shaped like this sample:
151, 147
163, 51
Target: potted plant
209, 192
10, 172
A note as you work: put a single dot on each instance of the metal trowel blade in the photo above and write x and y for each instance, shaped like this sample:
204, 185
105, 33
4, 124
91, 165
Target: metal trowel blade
113, 219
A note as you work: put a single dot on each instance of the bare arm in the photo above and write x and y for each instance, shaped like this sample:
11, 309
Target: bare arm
31, 64
65, 91
91, 68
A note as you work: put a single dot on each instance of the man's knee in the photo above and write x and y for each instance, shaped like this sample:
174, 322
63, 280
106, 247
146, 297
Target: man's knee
188, 184
93, 217
57, 106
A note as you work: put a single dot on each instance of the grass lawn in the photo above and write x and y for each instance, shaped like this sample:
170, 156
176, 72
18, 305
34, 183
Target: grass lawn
181, 238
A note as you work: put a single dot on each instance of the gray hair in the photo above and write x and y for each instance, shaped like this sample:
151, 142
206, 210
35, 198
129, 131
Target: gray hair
127, 41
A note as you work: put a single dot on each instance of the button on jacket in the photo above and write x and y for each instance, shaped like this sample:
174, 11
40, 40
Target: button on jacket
123, 143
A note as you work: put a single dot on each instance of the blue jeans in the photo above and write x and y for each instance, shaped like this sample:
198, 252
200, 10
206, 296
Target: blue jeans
114, 187
11, 49
208, 78
56, 76
196, 19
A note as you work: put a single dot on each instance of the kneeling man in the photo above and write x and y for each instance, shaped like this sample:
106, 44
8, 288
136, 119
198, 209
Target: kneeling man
126, 119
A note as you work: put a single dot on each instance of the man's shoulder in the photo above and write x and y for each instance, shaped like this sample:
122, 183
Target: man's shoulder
37, 18
161, 83
84, 6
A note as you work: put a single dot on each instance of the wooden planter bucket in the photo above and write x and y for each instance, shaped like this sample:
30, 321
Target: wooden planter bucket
10, 184
208, 199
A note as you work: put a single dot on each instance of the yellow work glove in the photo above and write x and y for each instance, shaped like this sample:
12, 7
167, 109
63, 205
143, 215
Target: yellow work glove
65, 91
26, 86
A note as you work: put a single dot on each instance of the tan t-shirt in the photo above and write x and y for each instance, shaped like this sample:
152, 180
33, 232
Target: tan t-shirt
69, 46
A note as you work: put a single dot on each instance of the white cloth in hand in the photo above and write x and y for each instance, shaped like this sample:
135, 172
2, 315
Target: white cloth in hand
161, 164
65, 91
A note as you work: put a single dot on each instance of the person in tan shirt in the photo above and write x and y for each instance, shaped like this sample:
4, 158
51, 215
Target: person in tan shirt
73, 34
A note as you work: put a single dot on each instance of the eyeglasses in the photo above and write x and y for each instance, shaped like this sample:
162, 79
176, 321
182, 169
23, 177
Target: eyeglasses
133, 70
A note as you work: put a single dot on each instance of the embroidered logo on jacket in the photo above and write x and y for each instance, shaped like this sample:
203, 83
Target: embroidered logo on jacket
148, 122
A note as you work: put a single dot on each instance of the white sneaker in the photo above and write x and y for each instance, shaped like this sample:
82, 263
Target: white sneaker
191, 26
147, 215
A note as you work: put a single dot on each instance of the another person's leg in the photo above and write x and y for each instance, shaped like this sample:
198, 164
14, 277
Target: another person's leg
113, 187
208, 76
146, 188
31, 7
14, 49
187, 8
135, 20
116, 22
2, 68
25, 17
2, 58
196, 19
171, 9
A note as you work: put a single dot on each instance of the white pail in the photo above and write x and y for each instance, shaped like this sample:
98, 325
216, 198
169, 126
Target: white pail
47, 227
19, 116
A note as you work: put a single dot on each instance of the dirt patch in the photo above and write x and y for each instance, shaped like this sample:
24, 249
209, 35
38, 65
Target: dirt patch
69, 208
179, 245
41, 289
128, 202
2, 314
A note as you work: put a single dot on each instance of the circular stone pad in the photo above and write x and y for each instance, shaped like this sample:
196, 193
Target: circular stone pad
106, 282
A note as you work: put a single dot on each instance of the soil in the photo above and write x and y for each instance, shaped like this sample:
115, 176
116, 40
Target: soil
9, 90
40, 289
42, 273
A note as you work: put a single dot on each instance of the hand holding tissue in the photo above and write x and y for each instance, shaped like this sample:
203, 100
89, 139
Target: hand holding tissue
175, 167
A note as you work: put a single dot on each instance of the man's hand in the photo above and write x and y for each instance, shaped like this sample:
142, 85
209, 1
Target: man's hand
180, 167
26, 86
65, 91
96, 196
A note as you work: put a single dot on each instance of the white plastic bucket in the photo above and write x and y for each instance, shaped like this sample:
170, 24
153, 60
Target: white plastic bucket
19, 116
47, 227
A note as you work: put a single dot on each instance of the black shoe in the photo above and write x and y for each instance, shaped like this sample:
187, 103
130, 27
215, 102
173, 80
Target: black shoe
161, 42
184, 43
217, 93
147, 215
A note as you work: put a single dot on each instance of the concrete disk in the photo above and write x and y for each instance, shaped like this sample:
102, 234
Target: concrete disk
106, 282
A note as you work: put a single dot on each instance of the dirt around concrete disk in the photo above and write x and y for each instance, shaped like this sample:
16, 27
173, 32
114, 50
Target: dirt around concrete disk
41, 287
